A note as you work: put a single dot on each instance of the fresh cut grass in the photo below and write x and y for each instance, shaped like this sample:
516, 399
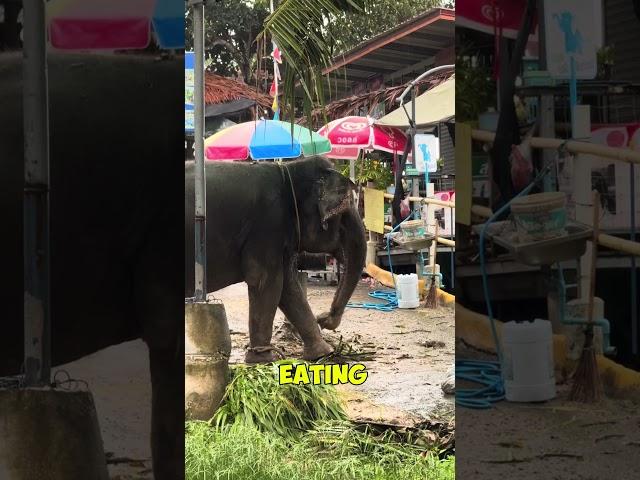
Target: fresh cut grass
268, 431
239, 452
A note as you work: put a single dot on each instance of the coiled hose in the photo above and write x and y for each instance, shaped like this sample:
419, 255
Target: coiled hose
487, 373
389, 296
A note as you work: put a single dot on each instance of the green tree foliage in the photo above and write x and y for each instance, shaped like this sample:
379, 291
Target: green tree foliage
231, 28
309, 34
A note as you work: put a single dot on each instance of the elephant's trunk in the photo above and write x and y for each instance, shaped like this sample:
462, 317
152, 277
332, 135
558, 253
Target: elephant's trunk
351, 252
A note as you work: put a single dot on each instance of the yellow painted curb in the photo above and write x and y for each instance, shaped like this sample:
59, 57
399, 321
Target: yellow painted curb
474, 329
447, 298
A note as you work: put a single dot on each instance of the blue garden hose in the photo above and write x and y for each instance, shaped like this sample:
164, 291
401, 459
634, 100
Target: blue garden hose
487, 373
389, 296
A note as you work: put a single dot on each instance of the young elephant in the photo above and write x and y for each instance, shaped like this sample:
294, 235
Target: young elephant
260, 216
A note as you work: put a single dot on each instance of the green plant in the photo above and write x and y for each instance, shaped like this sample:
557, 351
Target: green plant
299, 28
255, 398
371, 170
475, 90
605, 55
334, 451
267, 431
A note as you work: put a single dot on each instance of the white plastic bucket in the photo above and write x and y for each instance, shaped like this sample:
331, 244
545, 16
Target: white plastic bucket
407, 291
540, 216
528, 367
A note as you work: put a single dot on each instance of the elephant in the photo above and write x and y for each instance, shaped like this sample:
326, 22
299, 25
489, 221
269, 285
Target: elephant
261, 216
116, 141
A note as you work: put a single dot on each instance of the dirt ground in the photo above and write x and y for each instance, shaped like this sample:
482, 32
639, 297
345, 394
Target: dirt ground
412, 352
125, 421
552, 440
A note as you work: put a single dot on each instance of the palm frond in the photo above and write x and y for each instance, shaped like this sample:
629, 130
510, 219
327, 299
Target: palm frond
299, 28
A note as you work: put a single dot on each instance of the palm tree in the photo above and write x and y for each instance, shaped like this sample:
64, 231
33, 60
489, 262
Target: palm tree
299, 29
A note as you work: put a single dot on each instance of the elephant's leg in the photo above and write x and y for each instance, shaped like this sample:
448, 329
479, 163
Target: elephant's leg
167, 366
294, 305
265, 288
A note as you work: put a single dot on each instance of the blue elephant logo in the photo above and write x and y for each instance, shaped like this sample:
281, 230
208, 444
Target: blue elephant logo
572, 39
426, 154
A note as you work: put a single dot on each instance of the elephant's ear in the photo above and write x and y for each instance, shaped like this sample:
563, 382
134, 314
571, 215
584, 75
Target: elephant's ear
334, 195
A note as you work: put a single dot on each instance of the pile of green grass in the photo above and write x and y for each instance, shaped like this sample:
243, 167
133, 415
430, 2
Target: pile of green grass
267, 431
255, 398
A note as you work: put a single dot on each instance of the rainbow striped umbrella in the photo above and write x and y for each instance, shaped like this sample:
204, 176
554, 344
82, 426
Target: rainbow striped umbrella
264, 139
114, 24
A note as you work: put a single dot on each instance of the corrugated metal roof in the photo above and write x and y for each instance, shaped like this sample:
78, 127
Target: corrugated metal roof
410, 47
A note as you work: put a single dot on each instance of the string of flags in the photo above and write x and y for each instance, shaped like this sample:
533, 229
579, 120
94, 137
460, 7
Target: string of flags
273, 91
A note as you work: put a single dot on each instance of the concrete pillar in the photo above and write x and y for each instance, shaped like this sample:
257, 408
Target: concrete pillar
206, 364
50, 434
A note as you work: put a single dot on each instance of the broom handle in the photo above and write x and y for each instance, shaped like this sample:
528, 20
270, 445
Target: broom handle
433, 260
594, 254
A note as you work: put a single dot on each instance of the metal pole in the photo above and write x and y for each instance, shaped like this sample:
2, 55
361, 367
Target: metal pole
413, 133
197, 7
37, 324
634, 276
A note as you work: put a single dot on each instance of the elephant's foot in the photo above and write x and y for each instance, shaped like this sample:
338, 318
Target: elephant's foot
329, 321
260, 355
316, 350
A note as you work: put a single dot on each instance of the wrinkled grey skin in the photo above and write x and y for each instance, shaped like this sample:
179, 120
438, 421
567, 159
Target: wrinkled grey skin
116, 214
251, 237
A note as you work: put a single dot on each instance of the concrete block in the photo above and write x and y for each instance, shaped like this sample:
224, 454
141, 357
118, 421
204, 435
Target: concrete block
48, 434
206, 363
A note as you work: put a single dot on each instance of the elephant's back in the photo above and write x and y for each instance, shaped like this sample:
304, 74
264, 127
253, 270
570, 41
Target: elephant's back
111, 178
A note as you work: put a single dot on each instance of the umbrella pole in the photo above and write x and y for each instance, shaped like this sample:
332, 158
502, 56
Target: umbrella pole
200, 182
37, 324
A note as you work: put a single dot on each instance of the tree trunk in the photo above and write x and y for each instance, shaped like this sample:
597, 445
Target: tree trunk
507, 131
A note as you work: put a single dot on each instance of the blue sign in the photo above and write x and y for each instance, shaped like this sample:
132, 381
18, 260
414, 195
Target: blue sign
189, 84
427, 152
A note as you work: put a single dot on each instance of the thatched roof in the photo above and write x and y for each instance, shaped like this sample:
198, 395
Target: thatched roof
219, 89
352, 105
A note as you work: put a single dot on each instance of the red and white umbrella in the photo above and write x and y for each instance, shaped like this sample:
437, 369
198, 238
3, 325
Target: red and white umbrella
351, 135
491, 16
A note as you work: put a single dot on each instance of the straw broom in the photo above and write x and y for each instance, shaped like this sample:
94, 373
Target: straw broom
431, 301
587, 384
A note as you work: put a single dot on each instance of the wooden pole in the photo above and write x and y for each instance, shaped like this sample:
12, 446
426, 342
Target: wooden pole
582, 196
428, 201
625, 155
